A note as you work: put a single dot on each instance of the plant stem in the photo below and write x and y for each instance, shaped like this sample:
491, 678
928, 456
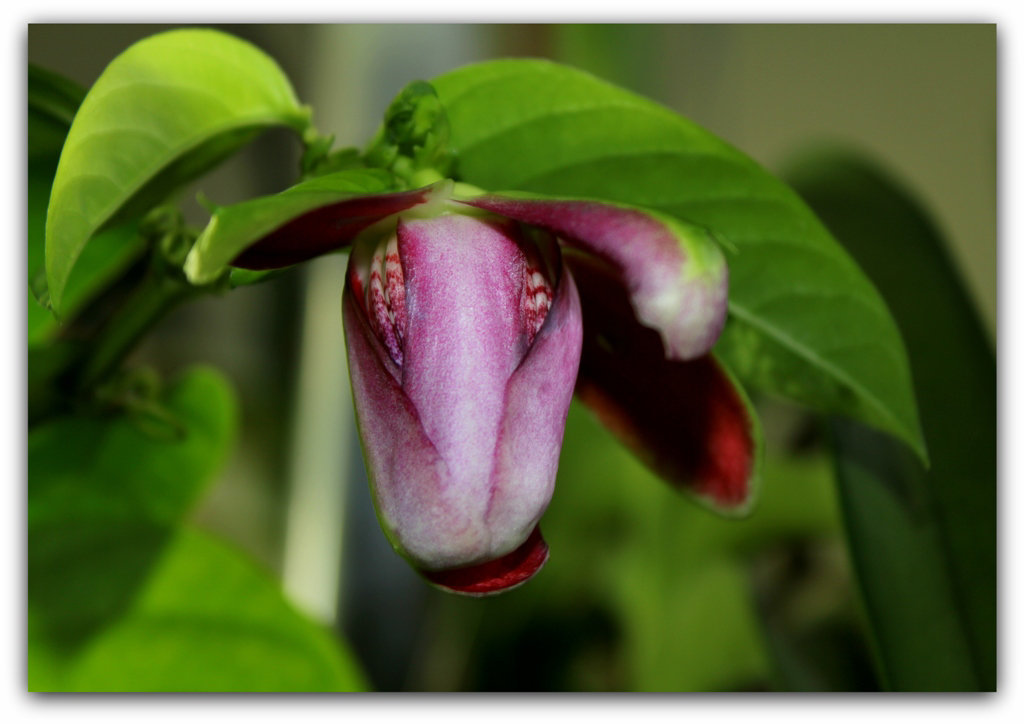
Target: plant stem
156, 295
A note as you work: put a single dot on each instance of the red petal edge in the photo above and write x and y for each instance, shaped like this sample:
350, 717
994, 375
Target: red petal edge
511, 570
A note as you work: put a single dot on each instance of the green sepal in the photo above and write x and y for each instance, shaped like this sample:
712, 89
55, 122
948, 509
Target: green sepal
234, 228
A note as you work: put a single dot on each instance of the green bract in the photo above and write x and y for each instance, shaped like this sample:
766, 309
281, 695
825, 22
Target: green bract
233, 228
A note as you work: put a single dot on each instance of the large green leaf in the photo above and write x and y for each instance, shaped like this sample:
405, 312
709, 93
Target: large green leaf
52, 104
162, 113
233, 228
203, 618
805, 322
923, 541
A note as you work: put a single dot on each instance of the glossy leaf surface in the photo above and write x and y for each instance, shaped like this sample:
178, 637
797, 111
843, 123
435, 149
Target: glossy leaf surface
163, 112
923, 541
806, 323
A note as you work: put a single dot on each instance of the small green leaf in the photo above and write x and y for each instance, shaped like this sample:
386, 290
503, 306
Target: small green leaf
923, 541
163, 112
414, 134
233, 228
805, 322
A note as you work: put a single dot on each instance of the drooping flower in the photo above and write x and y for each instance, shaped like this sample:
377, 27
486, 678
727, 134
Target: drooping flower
463, 343
470, 320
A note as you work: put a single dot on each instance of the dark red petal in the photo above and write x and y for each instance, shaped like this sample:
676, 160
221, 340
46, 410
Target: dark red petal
324, 229
512, 569
688, 421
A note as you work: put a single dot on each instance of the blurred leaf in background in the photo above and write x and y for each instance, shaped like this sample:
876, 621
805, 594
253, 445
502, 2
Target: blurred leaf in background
121, 596
923, 540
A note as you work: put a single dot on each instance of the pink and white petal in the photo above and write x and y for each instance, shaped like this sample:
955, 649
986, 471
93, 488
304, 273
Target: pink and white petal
424, 521
689, 421
537, 404
675, 273
464, 339
475, 410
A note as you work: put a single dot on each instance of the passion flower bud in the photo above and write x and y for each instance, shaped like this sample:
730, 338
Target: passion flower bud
464, 339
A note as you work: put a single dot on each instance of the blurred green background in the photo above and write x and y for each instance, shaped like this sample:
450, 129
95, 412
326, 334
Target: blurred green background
643, 591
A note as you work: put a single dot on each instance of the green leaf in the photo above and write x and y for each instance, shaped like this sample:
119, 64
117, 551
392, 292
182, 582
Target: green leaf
104, 494
81, 465
923, 541
163, 112
805, 322
206, 619
121, 598
233, 228
52, 103
247, 277
46, 133
109, 254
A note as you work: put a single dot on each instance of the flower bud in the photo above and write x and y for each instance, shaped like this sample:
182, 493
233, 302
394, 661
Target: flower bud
464, 338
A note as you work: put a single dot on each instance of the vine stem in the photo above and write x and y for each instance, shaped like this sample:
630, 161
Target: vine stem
157, 294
